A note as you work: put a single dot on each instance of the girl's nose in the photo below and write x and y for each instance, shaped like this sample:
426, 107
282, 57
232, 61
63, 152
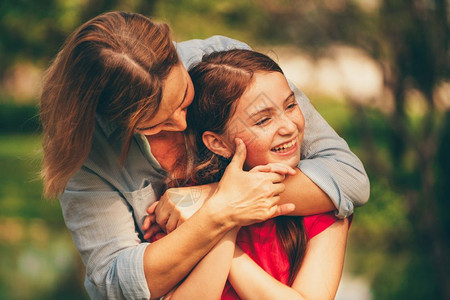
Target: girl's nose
287, 127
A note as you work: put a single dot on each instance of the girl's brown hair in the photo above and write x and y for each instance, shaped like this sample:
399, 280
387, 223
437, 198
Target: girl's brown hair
220, 80
113, 65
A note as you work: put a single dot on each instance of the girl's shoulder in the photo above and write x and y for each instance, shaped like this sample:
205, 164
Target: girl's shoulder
315, 224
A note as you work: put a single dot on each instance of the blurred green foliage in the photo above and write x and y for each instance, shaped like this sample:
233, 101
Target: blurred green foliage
399, 240
19, 118
39, 260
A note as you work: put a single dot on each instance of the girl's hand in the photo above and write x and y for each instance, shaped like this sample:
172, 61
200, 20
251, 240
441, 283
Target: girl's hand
243, 198
152, 231
177, 205
279, 168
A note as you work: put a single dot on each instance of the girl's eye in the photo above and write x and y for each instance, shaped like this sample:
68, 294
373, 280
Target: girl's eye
262, 122
292, 105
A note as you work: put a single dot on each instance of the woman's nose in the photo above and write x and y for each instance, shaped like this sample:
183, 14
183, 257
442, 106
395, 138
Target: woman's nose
179, 120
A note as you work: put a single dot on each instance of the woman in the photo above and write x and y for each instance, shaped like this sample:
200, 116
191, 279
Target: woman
244, 94
112, 105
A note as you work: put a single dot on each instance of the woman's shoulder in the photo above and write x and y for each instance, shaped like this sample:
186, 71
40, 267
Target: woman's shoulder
103, 171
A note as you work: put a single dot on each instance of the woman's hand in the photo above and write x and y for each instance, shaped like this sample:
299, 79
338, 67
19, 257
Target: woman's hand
279, 168
244, 198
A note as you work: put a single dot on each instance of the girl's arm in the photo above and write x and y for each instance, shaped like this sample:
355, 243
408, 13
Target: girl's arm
241, 198
208, 278
318, 277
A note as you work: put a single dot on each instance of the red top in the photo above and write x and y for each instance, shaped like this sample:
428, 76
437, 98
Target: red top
261, 243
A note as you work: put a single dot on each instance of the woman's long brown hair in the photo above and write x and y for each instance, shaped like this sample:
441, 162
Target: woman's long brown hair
113, 65
220, 79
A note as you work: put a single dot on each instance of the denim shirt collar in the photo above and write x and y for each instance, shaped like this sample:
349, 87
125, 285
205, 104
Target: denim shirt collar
109, 128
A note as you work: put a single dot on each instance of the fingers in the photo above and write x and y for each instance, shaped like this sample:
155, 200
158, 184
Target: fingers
146, 223
274, 177
287, 170
151, 209
239, 155
180, 221
161, 218
154, 228
283, 209
171, 224
279, 210
263, 168
278, 188
275, 168
293, 171
160, 235
161, 211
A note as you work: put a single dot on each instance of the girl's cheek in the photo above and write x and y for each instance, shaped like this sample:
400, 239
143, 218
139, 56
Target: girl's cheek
255, 147
247, 136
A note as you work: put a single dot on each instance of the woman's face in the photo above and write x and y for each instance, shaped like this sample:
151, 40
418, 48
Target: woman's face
269, 121
178, 92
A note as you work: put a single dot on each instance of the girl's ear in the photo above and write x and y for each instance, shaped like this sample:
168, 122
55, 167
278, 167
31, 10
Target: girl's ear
216, 144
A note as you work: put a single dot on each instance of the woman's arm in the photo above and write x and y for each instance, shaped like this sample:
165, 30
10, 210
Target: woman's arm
241, 198
318, 277
179, 204
104, 228
328, 161
308, 198
331, 177
208, 278
335, 173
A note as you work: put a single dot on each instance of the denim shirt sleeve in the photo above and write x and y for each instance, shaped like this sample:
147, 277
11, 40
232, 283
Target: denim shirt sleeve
103, 204
105, 225
326, 157
192, 51
103, 229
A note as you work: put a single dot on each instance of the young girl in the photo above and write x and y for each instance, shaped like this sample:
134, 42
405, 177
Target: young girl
243, 95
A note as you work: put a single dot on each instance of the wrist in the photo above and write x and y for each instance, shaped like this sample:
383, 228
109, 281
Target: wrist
218, 215
209, 190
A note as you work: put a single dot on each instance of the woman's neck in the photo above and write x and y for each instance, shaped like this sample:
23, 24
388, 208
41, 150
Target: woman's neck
167, 147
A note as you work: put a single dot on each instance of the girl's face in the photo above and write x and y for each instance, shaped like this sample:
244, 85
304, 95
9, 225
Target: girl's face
269, 121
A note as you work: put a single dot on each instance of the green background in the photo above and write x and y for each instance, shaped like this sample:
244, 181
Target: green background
399, 242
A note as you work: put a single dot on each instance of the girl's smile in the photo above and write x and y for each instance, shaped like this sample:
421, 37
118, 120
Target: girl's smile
286, 148
269, 121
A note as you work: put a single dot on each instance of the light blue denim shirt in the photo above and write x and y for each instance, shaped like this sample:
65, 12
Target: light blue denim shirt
104, 203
